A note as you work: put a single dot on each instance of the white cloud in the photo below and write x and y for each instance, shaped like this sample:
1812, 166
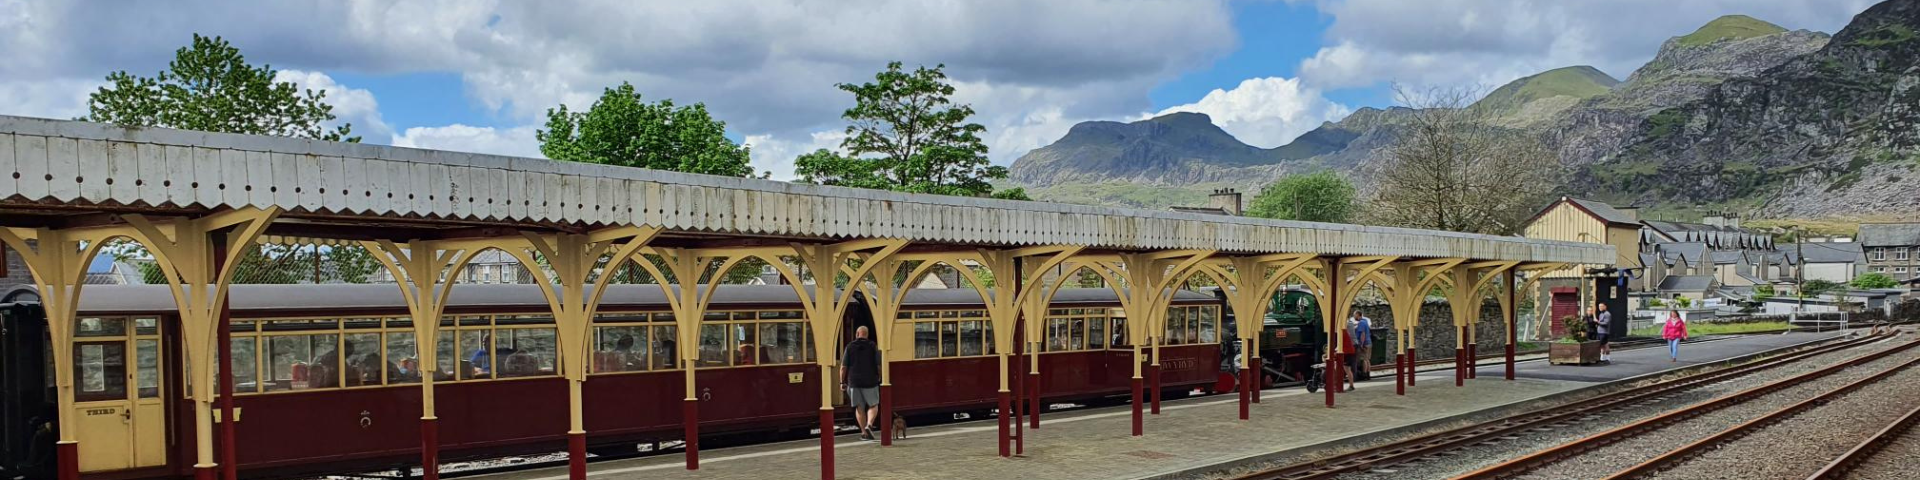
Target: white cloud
350, 105
1266, 112
766, 68
51, 98
1490, 42
516, 141
774, 154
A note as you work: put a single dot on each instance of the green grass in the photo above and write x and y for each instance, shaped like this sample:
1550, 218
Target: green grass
1580, 82
1698, 329
1730, 27
1888, 34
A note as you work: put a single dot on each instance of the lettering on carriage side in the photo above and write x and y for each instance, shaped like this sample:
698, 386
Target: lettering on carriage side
1181, 363
102, 411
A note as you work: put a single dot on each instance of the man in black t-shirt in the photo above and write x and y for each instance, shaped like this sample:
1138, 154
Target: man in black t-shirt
860, 376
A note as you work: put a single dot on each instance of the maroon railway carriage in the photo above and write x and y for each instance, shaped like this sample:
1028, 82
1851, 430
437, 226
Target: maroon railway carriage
326, 378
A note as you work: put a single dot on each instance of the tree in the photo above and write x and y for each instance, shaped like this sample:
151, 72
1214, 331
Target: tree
906, 135
1317, 197
210, 87
1452, 169
620, 129
1816, 288
1874, 280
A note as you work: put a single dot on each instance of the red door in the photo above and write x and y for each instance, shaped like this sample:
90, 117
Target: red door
1566, 303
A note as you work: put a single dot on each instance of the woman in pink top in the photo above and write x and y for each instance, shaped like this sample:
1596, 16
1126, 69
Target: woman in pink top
1675, 331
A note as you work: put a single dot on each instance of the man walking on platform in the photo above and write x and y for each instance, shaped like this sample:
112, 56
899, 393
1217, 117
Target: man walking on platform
860, 376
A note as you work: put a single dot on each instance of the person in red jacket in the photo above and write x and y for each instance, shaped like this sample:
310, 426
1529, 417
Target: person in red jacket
1674, 331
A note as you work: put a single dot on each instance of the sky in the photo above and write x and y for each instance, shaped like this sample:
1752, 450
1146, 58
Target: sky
480, 75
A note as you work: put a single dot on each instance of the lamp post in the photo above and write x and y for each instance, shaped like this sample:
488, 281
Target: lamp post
1799, 272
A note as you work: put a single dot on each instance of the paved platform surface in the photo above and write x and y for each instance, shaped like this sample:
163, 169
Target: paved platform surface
1188, 434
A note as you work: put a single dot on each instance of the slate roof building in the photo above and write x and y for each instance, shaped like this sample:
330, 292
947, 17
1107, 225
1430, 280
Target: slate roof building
1892, 248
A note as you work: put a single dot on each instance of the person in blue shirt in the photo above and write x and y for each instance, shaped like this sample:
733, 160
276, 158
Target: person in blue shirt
1363, 343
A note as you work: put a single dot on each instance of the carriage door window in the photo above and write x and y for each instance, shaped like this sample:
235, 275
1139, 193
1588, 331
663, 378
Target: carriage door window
118, 393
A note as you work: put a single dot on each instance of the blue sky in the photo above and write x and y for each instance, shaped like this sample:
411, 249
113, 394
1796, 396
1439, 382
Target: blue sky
478, 75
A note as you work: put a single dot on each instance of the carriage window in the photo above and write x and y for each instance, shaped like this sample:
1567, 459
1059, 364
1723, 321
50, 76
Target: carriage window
1209, 332
949, 339
784, 342
362, 364
620, 349
146, 326
102, 370
970, 338
446, 360
986, 338
713, 345
301, 362
526, 352
403, 359
476, 354
1096, 333
926, 340
665, 353
743, 343
101, 327
1119, 334
246, 365
147, 367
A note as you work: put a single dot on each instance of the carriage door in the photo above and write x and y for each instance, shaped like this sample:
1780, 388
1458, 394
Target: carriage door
117, 393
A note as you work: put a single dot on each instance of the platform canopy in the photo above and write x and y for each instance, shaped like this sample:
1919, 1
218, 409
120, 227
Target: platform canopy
60, 172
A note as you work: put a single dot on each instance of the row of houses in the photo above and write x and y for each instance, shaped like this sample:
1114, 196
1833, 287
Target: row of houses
1718, 262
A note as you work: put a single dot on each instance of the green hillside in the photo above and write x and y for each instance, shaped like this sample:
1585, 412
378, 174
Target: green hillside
1580, 82
1730, 27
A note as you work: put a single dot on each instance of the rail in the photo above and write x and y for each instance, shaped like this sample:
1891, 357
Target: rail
1419, 447
1867, 448
1678, 455
1542, 458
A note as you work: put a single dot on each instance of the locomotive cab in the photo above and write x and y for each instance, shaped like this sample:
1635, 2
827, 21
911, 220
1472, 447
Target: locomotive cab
1291, 336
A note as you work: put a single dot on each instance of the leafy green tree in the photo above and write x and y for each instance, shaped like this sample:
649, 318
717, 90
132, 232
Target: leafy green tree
907, 135
1816, 288
1316, 197
1874, 280
210, 87
620, 129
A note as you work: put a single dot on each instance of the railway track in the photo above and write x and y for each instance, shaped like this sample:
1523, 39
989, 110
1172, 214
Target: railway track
1508, 428
1589, 445
1856, 459
1724, 438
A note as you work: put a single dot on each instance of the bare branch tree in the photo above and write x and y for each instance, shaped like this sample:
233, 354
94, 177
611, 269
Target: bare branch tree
1454, 170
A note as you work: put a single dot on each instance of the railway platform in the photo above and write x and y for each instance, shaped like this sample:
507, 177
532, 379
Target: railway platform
1191, 436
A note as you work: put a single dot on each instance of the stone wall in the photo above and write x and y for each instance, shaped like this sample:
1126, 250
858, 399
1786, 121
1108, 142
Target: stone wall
1434, 338
16, 269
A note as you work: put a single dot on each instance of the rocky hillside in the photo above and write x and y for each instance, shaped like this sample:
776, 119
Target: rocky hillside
1739, 114
1825, 133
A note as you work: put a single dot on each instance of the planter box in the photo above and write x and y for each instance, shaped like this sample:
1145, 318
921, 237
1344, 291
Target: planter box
1583, 353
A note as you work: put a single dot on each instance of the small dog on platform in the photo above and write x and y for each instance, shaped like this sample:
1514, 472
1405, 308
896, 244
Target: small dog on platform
899, 427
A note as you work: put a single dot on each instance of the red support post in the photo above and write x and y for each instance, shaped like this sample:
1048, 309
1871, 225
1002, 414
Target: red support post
1473, 355
1019, 397
1137, 419
1509, 359
206, 473
886, 415
1333, 377
577, 456
1033, 397
826, 444
430, 449
1400, 374
1413, 359
69, 453
690, 416
1246, 391
1459, 366
1259, 376
1006, 430
1154, 377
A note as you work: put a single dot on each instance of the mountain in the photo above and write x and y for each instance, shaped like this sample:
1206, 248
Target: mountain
1825, 133
1685, 69
1172, 149
1540, 97
1739, 114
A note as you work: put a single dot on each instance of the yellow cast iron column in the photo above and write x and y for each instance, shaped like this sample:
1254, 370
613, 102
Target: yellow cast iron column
425, 272
57, 260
